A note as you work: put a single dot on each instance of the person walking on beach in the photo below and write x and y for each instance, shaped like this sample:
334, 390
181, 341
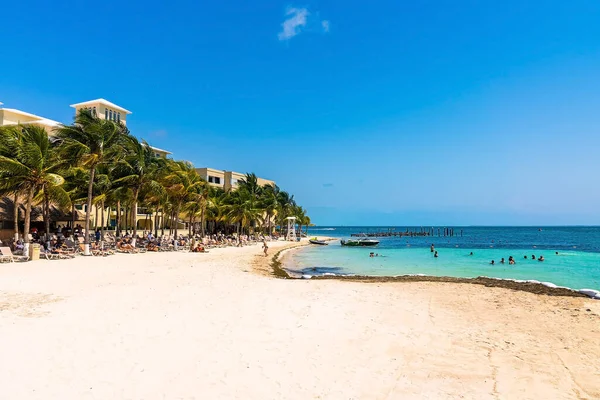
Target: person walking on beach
265, 248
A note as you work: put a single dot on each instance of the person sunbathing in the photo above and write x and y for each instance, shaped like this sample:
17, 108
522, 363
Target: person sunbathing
199, 248
126, 247
151, 246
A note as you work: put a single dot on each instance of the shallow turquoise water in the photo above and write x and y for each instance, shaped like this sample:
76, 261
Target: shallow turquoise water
570, 268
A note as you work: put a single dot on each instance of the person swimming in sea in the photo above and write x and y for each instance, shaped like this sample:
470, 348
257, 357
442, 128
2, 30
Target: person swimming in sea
502, 260
493, 262
533, 256
511, 260
525, 257
541, 258
432, 248
471, 254
435, 254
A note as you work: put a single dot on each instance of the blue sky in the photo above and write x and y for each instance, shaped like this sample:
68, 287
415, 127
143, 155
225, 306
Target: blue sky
390, 112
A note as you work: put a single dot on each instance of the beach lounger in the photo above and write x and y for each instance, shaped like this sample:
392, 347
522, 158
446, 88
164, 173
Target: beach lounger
6, 252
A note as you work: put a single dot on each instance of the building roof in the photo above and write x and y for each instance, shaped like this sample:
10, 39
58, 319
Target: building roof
103, 102
43, 121
14, 110
160, 150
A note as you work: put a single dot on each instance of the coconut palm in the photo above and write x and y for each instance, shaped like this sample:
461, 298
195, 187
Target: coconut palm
268, 202
89, 143
6, 133
216, 207
30, 164
181, 182
137, 170
242, 209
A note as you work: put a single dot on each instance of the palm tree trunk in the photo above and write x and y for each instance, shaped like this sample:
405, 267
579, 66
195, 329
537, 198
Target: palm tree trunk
47, 218
27, 222
162, 221
96, 218
176, 219
118, 219
134, 216
156, 223
190, 226
102, 220
126, 219
202, 221
16, 215
86, 239
73, 211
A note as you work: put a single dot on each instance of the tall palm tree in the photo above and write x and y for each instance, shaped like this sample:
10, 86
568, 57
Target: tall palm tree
269, 203
181, 182
242, 209
285, 206
91, 142
250, 184
33, 166
138, 171
6, 132
216, 207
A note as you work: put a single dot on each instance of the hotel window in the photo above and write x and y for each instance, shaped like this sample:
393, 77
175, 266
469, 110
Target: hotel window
118, 117
214, 179
94, 111
110, 115
106, 113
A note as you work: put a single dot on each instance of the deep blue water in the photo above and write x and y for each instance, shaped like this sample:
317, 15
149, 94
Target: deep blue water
577, 264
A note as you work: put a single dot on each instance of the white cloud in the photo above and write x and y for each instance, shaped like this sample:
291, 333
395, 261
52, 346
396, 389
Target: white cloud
294, 24
299, 20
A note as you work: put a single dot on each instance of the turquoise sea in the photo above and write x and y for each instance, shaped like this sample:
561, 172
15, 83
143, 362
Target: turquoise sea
577, 264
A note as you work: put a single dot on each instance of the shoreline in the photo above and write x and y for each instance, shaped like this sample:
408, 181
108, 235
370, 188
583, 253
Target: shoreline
530, 286
171, 325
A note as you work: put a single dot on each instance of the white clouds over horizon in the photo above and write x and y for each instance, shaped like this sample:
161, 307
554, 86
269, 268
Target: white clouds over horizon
298, 20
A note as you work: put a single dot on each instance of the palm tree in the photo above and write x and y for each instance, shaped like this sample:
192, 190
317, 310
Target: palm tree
285, 206
33, 166
181, 182
138, 171
250, 184
6, 132
91, 142
216, 207
242, 209
269, 204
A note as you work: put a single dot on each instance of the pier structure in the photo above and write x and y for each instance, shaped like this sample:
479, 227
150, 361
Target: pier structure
411, 232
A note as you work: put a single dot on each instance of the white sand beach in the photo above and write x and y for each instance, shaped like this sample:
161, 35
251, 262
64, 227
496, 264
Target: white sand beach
208, 326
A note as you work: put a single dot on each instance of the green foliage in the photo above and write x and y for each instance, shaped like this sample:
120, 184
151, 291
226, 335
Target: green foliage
99, 162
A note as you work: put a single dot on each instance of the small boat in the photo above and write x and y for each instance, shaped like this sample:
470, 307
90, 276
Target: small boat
364, 241
317, 241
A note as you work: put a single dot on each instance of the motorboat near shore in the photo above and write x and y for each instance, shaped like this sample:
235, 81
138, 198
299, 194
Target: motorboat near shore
363, 241
317, 241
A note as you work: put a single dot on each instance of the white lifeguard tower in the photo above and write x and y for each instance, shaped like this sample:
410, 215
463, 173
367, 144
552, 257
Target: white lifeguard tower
291, 229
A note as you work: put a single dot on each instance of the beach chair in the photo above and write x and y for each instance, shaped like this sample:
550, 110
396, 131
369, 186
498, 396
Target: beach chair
49, 255
6, 252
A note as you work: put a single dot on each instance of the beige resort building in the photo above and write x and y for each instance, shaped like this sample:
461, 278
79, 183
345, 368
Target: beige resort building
226, 180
